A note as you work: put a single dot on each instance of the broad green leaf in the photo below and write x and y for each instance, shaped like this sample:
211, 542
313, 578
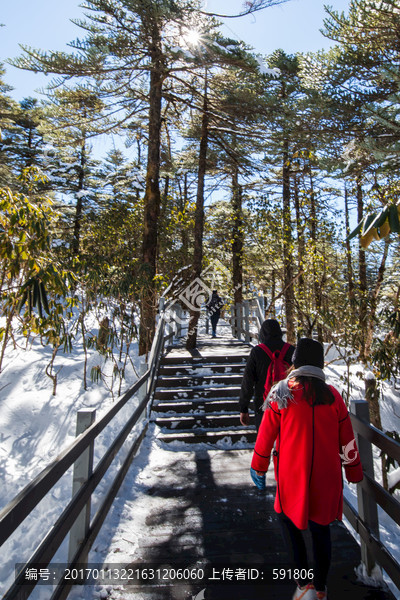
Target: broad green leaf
369, 219
379, 219
355, 231
394, 219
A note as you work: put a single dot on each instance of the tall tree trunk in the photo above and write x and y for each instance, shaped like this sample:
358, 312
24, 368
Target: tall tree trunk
362, 273
183, 206
185, 233
287, 247
273, 293
199, 219
349, 270
317, 284
237, 238
300, 249
79, 203
151, 198
163, 213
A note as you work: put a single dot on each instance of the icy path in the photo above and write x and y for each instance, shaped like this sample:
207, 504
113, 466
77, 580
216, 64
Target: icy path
177, 506
170, 485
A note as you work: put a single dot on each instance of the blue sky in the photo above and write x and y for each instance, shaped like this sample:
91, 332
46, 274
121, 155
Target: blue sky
292, 26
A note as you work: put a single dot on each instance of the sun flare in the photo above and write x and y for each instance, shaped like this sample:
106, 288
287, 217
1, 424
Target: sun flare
192, 37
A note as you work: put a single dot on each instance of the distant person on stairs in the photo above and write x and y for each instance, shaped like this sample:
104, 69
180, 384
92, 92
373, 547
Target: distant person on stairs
214, 306
256, 371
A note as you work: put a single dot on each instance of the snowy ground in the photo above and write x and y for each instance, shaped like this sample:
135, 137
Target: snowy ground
35, 426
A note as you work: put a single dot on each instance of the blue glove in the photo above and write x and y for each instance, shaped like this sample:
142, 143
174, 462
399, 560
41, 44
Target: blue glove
259, 480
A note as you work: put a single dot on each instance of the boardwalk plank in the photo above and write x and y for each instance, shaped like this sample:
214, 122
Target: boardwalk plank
212, 513
205, 508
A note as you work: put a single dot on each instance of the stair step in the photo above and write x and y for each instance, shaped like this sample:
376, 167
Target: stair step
205, 380
198, 392
244, 436
204, 421
197, 395
187, 370
209, 359
197, 406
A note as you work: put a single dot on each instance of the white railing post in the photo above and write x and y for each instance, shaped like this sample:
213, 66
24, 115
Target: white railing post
233, 321
246, 305
253, 309
83, 467
173, 322
367, 508
142, 391
156, 349
153, 349
178, 314
261, 303
239, 321
161, 306
260, 307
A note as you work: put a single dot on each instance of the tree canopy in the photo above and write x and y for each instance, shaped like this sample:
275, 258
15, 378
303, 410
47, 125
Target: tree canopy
283, 168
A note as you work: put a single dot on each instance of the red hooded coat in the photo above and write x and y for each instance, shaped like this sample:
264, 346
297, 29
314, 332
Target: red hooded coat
311, 443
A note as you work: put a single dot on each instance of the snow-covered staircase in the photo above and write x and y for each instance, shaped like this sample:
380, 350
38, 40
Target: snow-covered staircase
196, 398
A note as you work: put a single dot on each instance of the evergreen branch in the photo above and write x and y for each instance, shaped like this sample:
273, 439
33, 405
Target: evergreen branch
253, 7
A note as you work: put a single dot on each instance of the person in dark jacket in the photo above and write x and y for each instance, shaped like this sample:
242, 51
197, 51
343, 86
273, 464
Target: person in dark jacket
214, 306
256, 370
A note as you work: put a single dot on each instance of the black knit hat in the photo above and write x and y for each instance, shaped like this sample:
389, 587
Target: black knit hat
270, 329
308, 352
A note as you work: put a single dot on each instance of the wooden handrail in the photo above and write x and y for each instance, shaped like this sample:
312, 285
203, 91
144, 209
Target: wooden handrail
240, 315
61, 527
63, 587
22, 505
382, 555
376, 437
390, 505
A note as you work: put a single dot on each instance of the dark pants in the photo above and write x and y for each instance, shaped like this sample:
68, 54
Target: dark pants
322, 549
214, 322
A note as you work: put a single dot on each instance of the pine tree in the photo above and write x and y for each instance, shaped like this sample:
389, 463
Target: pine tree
22, 142
127, 49
367, 73
281, 98
8, 111
72, 121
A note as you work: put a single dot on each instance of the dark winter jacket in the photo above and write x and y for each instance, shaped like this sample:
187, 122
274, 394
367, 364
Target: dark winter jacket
257, 365
214, 305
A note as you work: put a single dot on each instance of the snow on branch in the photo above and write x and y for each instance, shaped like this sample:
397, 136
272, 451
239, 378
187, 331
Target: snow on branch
275, 72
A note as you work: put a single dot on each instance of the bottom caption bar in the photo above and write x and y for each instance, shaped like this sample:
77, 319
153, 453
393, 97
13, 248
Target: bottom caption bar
157, 574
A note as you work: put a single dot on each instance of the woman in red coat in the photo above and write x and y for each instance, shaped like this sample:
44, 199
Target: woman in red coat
311, 428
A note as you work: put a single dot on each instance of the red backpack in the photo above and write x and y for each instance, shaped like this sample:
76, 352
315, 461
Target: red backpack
278, 367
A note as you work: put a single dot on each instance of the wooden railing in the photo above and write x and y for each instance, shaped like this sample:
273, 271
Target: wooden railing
370, 494
246, 319
23, 504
